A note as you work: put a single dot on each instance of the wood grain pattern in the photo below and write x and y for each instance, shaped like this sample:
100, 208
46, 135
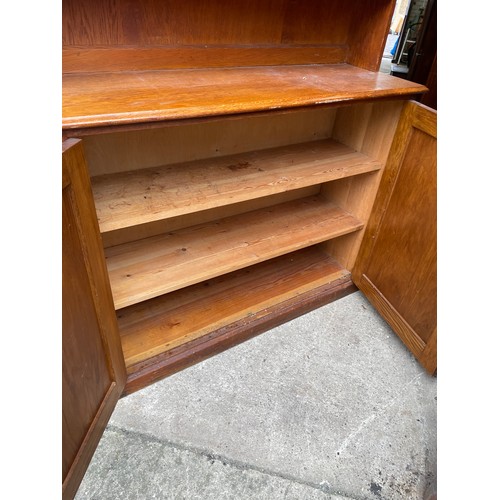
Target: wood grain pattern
205, 22
360, 26
428, 356
93, 370
103, 99
141, 231
355, 195
368, 33
410, 282
392, 316
368, 128
132, 198
158, 325
403, 231
197, 139
317, 21
139, 58
147, 268
413, 117
86, 132
170, 22
153, 369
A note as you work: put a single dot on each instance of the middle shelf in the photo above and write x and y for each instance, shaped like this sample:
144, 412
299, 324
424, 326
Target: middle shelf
146, 268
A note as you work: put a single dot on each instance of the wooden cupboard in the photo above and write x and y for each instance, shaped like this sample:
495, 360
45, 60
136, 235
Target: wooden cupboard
228, 166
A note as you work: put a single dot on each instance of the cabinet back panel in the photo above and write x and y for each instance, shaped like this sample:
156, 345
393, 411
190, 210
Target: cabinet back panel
125, 151
357, 27
206, 22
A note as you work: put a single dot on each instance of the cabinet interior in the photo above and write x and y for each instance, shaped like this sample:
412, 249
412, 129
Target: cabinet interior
208, 222
235, 150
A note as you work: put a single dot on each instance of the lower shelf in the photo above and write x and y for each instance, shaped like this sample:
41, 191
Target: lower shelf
151, 267
170, 332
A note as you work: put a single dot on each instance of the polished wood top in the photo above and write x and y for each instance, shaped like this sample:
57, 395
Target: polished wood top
114, 98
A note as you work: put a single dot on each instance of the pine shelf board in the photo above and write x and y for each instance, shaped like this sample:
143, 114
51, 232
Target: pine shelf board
132, 198
147, 268
156, 326
103, 99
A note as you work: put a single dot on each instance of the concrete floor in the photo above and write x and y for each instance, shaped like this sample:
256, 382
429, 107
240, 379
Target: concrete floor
385, 64
328, 406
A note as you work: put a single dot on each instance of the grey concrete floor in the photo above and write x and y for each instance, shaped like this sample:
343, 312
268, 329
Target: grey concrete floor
330, 405
385, 63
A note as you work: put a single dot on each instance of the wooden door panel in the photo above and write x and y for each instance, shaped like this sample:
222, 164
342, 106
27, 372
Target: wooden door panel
93, 370
397, 263
81, 400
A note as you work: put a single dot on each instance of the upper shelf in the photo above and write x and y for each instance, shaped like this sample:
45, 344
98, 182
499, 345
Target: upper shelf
131, 198
114, 98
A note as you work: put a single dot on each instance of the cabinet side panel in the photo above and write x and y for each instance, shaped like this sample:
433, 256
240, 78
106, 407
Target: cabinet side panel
356, 195
368, 33
368, 128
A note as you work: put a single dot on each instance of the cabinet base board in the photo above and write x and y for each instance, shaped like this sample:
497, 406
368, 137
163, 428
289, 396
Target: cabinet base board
183, 356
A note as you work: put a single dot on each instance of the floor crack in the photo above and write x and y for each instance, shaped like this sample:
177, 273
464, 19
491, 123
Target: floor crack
243, 466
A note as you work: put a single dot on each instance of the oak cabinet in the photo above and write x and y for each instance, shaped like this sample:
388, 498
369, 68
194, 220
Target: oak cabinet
232, 173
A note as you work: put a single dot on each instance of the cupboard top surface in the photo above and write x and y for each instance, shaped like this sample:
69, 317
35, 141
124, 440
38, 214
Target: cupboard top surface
104, 99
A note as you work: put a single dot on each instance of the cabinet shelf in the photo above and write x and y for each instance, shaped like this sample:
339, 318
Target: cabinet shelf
132, 198
150, 267
159, 325
101, 99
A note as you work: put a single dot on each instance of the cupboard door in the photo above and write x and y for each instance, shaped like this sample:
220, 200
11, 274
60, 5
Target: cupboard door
93, 368
397, 264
